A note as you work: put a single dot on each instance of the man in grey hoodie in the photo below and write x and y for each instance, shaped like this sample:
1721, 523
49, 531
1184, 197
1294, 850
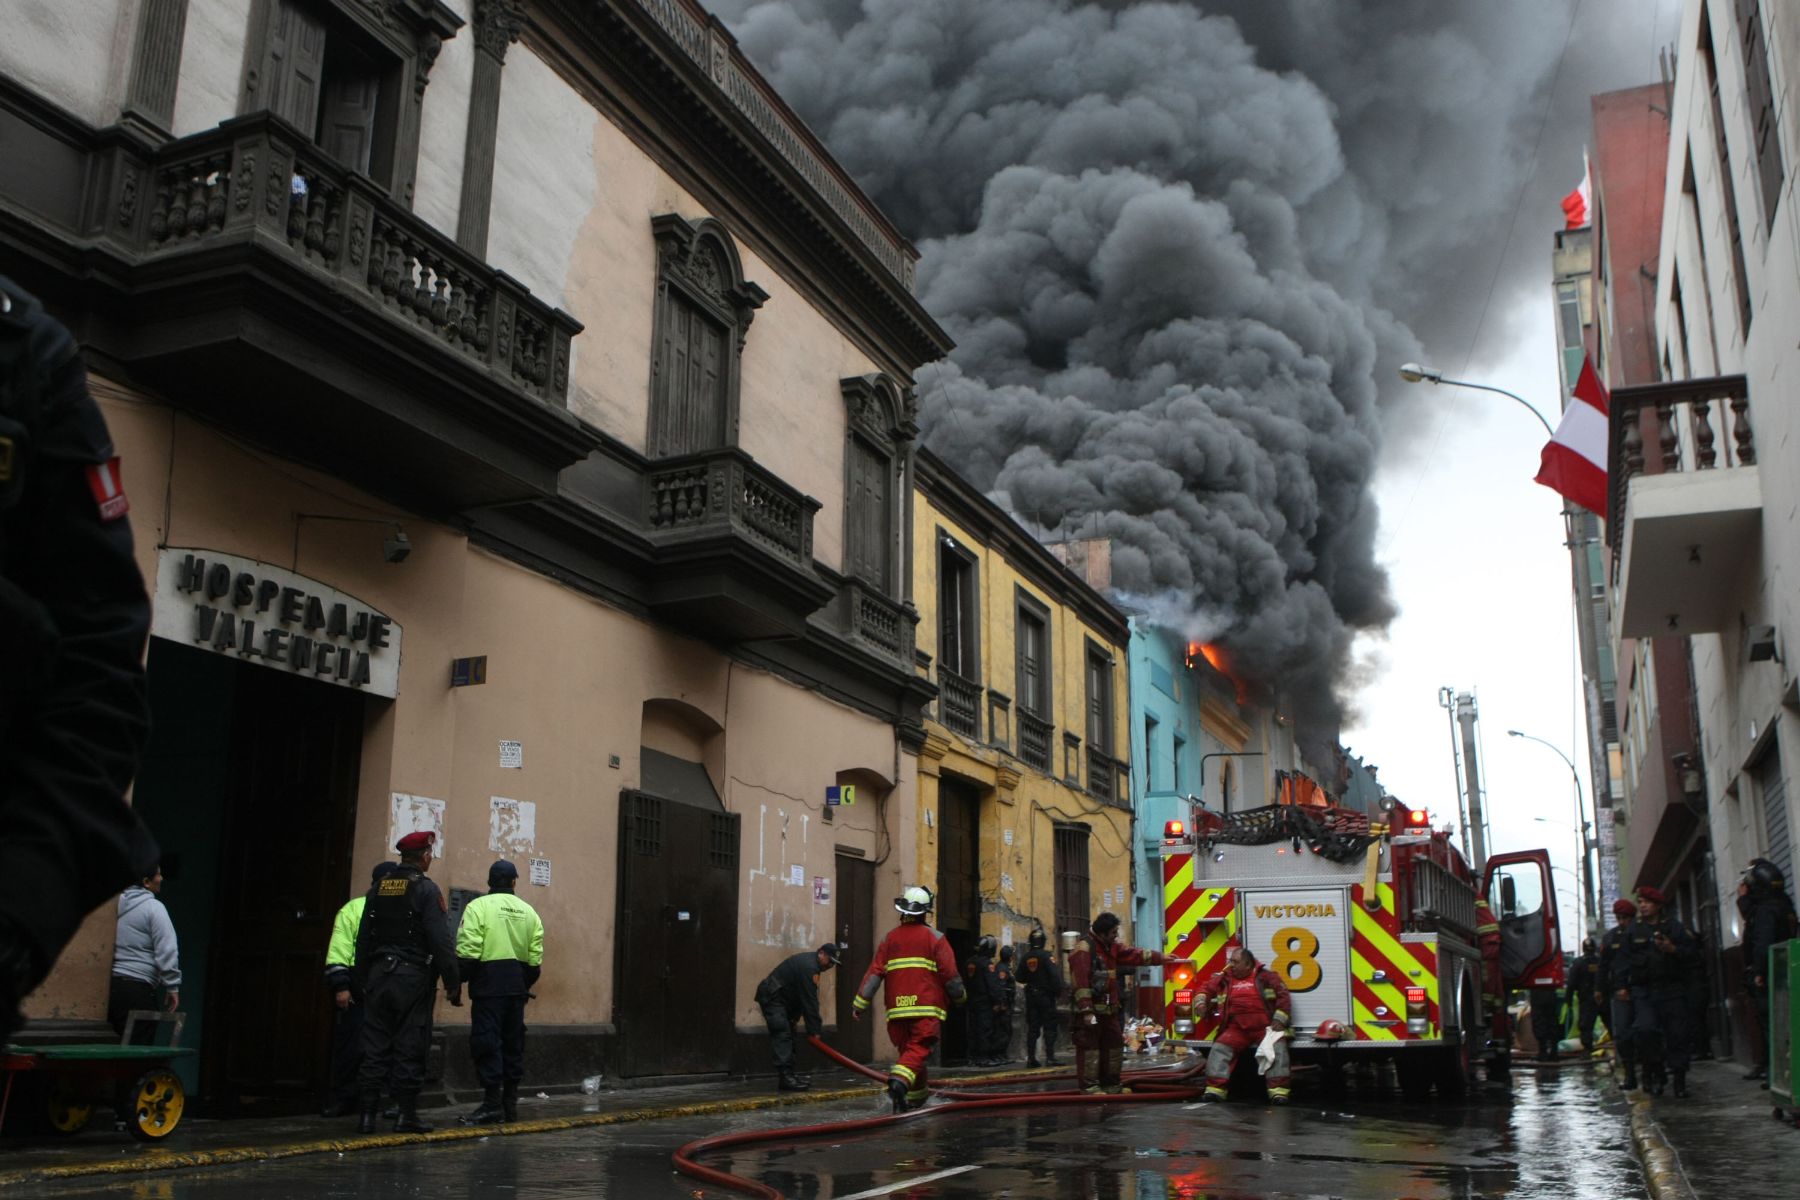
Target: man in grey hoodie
145, 956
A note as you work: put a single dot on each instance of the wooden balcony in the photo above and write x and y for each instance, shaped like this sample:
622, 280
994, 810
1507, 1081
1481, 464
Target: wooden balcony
959, 702
1036, 737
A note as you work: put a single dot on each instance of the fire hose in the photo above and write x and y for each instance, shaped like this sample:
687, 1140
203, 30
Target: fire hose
1154, 1085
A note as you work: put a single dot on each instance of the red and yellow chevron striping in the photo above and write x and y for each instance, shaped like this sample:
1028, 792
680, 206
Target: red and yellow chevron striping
1378, 1009
1199, 924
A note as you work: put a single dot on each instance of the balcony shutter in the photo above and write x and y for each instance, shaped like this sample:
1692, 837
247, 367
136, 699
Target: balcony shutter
347, 132
296, 65
867, 535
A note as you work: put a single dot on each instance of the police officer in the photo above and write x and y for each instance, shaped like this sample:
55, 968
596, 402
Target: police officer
1007, 985
1614, 986
788, 994
1583, 991
402, 944
984, 1002
340, 981
1043, 984
73, 621
1768, 917
500, 952
1660, 957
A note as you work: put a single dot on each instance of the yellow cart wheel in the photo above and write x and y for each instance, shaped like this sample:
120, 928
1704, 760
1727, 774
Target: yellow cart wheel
157, 1101
68, 1112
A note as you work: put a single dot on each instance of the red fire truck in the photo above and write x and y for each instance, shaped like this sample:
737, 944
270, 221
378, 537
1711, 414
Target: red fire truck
1371, 923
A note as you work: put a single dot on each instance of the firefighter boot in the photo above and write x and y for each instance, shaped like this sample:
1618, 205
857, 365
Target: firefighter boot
1631, 1079
408, 1120
490, 1112
896, 1090
1680, 1085
371, 1107
509, 1101
791, 1082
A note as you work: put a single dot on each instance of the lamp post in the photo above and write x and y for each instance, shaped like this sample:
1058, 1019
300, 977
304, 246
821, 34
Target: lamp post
1414, 373
1580, 827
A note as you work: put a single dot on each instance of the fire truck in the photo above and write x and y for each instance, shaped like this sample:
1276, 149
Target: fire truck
1371, 923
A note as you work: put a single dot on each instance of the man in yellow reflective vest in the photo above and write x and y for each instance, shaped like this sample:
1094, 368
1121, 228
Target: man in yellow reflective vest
340, 981
500, 948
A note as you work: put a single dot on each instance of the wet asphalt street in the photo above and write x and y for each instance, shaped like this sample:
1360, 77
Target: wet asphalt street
1559, 1135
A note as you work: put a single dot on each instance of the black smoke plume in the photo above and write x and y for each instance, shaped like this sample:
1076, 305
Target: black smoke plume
1178, 245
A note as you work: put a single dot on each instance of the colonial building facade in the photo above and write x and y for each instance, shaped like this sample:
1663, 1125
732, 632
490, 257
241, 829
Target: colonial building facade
515, 405
1024, 790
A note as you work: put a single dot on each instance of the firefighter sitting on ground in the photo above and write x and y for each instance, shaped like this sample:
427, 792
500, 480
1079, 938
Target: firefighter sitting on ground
1250, 1001
919, 969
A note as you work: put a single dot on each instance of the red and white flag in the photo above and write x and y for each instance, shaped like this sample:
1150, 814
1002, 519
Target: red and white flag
1574, 461
1578, 205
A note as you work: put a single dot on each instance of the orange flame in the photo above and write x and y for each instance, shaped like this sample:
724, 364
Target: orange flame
1216, 658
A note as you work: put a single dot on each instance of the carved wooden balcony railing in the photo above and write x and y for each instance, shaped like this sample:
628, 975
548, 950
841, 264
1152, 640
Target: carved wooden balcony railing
1103, 777
258, 180
959, 702
724, 490
1666, 428
1036, 736
880, 622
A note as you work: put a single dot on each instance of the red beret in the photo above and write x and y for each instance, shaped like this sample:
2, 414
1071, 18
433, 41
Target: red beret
1653, 895
1624, 908
419, 840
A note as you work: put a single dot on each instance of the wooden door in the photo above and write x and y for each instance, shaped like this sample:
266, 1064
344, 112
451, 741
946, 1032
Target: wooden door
677, 937
855, 930
295, 67
289, 815
959, 886
347, 116
689, 410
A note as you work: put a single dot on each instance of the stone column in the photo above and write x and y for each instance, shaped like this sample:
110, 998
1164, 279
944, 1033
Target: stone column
149, 106
497, 26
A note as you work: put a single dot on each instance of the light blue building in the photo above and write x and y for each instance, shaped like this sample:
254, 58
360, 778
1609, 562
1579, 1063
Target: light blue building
1165, 724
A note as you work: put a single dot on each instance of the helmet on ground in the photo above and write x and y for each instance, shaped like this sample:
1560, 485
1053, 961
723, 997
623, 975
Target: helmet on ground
1037, 939
1331, 1031
915, 901
985, 947
1764, 876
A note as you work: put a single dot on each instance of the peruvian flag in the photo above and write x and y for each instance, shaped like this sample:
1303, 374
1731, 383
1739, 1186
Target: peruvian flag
1578, 205
1574, 460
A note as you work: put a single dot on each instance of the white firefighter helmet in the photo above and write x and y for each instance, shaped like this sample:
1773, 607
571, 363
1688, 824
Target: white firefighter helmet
915, 901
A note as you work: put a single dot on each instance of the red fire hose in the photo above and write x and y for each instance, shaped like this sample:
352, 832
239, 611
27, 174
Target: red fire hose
1166, 1085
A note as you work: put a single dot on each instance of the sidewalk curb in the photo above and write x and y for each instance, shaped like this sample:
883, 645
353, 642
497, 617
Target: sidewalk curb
175, 1161
1662, 1165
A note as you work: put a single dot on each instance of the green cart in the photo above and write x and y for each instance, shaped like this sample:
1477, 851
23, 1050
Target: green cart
67, 1081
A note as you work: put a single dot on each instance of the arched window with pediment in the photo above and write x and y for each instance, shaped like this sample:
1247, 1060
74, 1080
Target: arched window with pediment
882, 428
703, 311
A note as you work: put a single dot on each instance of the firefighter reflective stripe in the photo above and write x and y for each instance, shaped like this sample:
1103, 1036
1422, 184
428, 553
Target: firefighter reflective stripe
860, 1003
901, 1071
1216, 1091
1197, 925
916, 1010
927, 964
917, 1096
1376, 946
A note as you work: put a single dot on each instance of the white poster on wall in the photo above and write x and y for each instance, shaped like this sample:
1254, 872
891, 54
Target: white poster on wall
512, 827
414, 813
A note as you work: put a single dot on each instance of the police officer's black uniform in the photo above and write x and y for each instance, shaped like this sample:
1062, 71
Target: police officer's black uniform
1007, 987
1043, 984
403, 944
984, 996
1661, 1028
1579, 999
1614, 976
73, 620
789, 993
1768, 916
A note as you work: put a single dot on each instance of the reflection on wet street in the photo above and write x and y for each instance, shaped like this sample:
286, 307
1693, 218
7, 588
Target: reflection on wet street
1561, 1135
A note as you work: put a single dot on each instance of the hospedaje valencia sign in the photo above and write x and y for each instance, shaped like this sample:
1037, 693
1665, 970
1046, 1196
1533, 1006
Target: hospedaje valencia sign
263, 614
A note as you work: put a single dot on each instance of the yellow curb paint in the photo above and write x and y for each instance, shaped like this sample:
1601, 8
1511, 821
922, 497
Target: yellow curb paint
226, 1156
1662, 1166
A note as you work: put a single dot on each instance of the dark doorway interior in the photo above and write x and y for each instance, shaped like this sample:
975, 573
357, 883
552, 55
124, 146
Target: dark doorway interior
249, 784
677, 935
854, 928
959, 887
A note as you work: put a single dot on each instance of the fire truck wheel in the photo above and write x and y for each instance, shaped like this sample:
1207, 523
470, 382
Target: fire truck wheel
1456, 1064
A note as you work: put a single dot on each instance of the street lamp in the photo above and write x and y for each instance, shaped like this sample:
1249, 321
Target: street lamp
1414, 373
1580, 828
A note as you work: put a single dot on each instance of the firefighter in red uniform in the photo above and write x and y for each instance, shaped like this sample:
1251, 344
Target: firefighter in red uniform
1094, 973
1493, 986
1249, 1000
920, 972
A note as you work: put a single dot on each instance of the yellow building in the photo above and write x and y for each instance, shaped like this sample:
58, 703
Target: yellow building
1024, 789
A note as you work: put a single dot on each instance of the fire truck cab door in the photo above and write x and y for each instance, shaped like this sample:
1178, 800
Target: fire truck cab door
1519, 890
